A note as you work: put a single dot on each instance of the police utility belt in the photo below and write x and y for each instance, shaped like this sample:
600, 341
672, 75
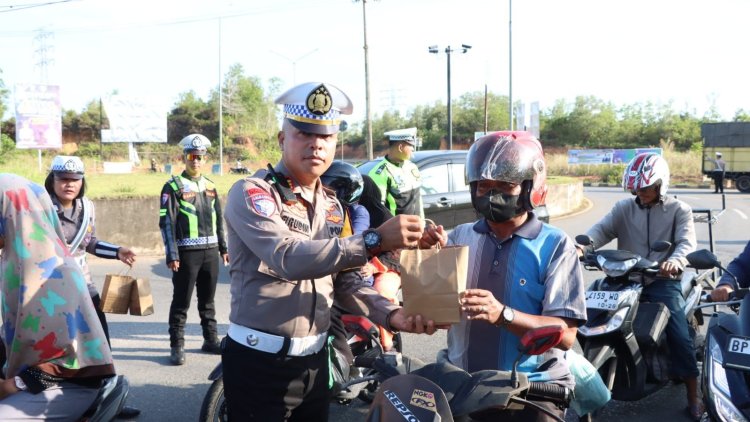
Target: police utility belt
270, 343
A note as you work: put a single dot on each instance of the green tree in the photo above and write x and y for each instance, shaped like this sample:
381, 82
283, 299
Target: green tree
191, 115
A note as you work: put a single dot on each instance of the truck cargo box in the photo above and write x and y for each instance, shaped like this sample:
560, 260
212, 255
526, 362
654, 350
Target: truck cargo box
732, 140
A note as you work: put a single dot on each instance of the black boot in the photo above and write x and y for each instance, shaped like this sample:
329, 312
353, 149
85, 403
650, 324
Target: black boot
129, 412
211, 346
177, 356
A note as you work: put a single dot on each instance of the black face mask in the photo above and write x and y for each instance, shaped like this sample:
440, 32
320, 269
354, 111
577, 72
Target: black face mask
497, 207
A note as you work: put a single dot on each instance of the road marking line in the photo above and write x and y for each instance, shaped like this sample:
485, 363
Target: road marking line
742, 214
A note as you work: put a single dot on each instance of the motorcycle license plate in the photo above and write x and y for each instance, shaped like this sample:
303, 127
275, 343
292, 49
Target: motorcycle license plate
607, 301
738, 353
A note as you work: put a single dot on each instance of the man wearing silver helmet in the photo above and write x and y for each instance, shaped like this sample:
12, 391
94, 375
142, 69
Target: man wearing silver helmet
288, 263
191, 227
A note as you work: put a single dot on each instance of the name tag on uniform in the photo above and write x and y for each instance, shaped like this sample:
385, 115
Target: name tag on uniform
295, 224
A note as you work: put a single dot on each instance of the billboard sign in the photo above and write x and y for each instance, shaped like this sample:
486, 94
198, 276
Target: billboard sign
38, 116
134, 119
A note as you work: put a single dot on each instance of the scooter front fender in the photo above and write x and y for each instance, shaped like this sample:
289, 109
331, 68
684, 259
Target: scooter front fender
217, 373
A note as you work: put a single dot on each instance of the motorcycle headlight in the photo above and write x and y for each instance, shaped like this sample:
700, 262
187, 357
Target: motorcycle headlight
615, 268
719, 391
614, 323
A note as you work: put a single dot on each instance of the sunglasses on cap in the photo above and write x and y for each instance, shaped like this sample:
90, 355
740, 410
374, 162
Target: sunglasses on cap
191, 157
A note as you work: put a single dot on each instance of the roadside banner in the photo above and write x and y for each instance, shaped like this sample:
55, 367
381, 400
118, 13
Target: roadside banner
133, 119
590, 156
38, 116
606, 156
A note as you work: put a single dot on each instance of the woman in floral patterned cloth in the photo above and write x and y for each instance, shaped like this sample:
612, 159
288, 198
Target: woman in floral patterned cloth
57, 354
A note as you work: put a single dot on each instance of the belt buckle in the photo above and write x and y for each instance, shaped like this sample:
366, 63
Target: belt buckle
252, 340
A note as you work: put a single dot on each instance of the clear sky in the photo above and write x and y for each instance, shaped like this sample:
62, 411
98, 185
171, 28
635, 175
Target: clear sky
691, 53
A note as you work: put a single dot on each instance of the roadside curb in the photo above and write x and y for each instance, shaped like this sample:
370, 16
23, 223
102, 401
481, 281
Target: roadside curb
614, 185
586, 205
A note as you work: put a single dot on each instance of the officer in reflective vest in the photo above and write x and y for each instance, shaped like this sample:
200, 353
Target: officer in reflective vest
191, 227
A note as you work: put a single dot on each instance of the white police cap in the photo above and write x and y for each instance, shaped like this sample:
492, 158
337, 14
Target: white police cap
315, 107
67, 166
195, 143
408, 135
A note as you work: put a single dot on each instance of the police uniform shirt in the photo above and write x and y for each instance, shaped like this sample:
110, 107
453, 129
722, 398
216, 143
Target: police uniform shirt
283, 258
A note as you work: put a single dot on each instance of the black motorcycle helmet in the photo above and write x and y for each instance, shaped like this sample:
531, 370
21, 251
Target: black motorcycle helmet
345, 179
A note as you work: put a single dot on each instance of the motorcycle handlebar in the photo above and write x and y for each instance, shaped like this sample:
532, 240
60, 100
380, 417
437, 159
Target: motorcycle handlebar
364, 361
547, 391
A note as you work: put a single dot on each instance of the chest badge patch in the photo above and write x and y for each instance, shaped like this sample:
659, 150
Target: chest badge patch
260, 201
164, 198
333, 215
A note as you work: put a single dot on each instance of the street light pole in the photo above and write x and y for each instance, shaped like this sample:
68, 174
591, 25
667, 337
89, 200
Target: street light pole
510, 67
368, 111
448, 50
294, 62
450, 104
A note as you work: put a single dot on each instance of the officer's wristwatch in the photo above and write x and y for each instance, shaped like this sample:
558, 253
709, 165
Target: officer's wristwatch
372, 241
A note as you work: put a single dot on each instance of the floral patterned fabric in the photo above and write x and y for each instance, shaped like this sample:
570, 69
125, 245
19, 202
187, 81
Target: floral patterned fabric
49, 321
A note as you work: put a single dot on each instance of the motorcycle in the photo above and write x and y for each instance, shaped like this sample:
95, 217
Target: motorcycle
358, 380
725, 379
440, 391
625, 337
109, 401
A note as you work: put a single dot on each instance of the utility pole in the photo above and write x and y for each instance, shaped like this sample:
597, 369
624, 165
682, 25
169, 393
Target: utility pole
510, 66
368, 111
221, 111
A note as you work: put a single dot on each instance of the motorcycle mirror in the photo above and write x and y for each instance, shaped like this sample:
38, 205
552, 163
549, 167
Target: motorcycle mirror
703, 259
539, 340
661, 246
584, 240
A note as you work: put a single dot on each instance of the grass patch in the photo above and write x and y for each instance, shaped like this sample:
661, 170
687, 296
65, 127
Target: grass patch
684, 166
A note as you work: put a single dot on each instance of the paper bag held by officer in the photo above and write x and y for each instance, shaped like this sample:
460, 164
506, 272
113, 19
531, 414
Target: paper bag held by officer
431, 281
115, 298
141, 300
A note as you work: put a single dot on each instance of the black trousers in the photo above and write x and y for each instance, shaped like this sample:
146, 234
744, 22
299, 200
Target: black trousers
198, 269
718, 182
266, 387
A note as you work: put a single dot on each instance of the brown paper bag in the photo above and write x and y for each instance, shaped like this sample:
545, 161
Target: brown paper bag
141, 301
431, 280
116, 294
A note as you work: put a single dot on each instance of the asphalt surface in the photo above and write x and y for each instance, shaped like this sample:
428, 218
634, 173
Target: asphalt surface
174, 393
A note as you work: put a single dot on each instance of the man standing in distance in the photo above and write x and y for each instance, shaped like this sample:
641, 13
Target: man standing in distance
191, 227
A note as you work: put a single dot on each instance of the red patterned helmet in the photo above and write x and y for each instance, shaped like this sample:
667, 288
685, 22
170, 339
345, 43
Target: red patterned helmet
510, 156
646, 170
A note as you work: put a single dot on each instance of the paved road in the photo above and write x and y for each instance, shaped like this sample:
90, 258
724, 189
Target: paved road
169, 393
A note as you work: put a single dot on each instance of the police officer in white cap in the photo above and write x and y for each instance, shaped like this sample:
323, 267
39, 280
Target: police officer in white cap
66, 186
192, 230
283, 231
397, 177
718, 173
